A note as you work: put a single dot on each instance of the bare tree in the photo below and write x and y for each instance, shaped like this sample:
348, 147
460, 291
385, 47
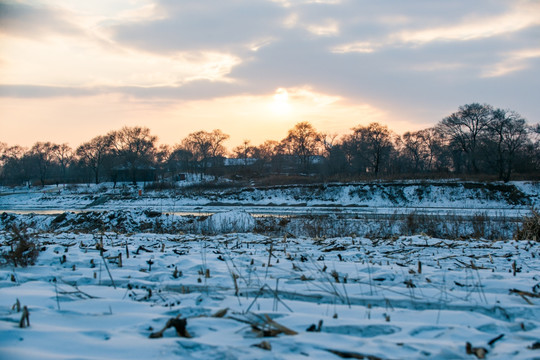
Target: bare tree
374, 144
3, 158
206, 147
266, 151
414, 149
135, 147
42, 154
508, 134
3, 148
422, 149
163, 153
17, 165
64, 155
464, 129
434, 144
179, 160
198, 144
535, 146
244, 151
303, 141
92, 154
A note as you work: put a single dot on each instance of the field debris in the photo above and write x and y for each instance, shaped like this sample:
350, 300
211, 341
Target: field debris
428, 294
178, 324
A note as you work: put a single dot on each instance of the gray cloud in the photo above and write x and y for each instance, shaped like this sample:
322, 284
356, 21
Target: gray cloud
415, 79
209, 25
196, 90
36, 91
24, 20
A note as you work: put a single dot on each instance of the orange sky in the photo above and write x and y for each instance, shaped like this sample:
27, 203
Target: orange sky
256, 118
70, 71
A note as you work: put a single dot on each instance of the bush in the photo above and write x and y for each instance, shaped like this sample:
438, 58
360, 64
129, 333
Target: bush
530, 227
24, 250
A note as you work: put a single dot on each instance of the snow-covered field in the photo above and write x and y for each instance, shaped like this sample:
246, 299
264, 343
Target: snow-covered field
336, 279
415, 195
408, 298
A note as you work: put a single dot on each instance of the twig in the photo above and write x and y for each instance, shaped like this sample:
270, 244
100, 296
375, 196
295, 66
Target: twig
269, 258
284, 329
494, 340
527, 300
526, 293
276, 297
25, 318
107, 267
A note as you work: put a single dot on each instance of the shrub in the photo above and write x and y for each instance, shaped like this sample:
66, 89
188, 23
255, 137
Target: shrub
24, 250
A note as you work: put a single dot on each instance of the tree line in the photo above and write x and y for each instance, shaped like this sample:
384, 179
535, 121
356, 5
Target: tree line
476, 140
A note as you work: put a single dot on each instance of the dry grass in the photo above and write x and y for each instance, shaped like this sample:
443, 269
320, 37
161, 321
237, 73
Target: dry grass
530, 227
23, 249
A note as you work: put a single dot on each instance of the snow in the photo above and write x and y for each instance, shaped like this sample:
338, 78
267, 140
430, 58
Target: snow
289, 255
462, 294
412, 195
230, 221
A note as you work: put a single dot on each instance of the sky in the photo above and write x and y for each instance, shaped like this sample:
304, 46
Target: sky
72, 70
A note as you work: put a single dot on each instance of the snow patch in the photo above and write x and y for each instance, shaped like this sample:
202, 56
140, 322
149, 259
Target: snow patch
229, 221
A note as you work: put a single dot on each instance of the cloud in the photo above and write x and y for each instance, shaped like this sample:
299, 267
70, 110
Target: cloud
69, 62
36, 91
37, 21
513, 61
195, 25
413, 60
398, 30
476, 27
356, 47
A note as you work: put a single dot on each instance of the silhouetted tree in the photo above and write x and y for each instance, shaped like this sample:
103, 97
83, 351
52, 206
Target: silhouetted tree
135, 147
414, 149
92, 154
12, 170
464, 129
180, 160
64, 155
42, 155
507, 134
265, 154
244, 151
206, 147
303, 141
163, 153
373, 143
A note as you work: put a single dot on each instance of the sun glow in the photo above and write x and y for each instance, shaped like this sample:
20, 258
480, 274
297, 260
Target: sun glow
281, 106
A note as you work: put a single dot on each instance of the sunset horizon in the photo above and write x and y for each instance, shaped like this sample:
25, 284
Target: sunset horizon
73, 71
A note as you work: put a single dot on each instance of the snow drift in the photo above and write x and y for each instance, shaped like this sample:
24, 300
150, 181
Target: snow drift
228, 222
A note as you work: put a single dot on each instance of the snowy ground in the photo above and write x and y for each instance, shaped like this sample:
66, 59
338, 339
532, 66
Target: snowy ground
373, 197
401, 297
407, 298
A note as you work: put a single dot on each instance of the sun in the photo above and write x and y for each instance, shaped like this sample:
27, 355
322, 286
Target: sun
281, 106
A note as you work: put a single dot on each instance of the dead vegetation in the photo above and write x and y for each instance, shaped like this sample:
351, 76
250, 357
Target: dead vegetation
530, 227
23, 249
358, 264
178, 324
